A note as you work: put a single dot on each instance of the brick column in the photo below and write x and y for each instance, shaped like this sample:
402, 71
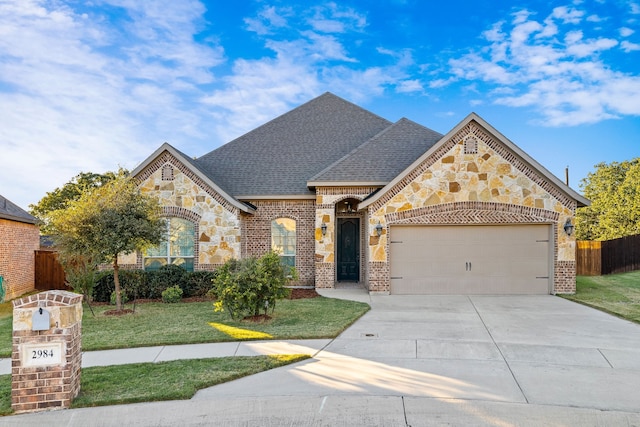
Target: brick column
47, 355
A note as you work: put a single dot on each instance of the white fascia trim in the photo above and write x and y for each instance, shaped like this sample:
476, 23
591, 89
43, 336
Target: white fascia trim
187, 164
346, 183
278, 197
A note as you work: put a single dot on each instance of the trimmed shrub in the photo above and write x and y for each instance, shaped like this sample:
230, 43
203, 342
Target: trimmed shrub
129, 283
251, 285
198, 283
172, 295
141, 284
161, 279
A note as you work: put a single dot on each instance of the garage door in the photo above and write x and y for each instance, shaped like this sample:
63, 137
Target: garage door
491, 259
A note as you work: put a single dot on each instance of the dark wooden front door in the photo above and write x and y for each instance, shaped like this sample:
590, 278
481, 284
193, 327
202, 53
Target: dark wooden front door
348, 249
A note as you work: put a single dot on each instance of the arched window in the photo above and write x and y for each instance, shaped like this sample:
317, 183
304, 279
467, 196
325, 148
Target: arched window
178, 247
283, 240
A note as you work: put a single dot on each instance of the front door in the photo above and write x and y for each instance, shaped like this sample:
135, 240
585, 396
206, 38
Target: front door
348, 250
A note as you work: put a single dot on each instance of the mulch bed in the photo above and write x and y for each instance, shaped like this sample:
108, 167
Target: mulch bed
298, 293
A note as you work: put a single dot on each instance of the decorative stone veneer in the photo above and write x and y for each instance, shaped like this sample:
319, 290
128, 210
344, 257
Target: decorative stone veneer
325, 245
490, 186
183, 194
257, 231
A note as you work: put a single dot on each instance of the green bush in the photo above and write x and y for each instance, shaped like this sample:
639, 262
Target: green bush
251, 285
198, 283
172, 295
129, 283
165, 277
141, 284
123, 298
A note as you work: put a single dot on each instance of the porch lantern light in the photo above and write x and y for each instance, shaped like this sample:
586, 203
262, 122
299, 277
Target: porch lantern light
379, 229
568, 227
323, 227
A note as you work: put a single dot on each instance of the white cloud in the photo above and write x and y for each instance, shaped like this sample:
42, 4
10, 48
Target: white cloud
268, 20
568, 15
76, 90
629, 47
525, 65
408, 86
626, 32
333, 18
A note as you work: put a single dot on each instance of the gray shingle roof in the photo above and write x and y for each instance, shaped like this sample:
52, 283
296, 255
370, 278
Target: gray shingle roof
13, 212
384, 156
279, 157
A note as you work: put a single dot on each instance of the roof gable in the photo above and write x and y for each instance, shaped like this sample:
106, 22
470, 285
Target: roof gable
510, 146
193, 167
382, 158
278, 157
12, 212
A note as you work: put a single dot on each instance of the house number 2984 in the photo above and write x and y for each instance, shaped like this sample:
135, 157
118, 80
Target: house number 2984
42, 354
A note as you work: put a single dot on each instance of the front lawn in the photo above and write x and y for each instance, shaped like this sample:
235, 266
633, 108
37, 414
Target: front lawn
148, 382
195, 322
618, 294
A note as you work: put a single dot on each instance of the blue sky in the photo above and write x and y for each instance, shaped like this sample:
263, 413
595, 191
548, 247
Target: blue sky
94, 85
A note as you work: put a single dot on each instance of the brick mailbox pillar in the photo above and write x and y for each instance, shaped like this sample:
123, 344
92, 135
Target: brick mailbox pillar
47, 355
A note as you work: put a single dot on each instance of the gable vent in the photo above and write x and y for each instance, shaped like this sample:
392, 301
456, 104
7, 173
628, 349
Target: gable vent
167, 173
471, 145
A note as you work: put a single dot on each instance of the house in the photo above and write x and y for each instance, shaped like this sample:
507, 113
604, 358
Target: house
19, 239
348, 196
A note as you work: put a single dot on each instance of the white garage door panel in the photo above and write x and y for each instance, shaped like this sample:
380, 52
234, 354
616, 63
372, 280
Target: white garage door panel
500, 259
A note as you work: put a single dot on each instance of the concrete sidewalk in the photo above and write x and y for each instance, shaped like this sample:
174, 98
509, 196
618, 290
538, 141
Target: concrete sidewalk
418, 361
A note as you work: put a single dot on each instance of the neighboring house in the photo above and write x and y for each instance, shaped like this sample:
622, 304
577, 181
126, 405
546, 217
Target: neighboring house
348, 196
19, 239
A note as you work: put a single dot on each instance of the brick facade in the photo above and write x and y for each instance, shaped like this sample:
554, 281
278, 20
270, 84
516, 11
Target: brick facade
256, 230
37, 388
474, 176
18, 244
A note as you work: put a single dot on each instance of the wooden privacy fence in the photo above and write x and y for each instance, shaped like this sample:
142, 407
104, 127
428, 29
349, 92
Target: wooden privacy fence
49, 272
608, 256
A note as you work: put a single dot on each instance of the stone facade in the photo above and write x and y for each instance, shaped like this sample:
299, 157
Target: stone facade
327, 210
474, 176
184, 195
486, 185
17, 256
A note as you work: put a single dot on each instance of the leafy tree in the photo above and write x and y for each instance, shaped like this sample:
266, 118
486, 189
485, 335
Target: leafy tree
251, 285
106, 221
60, 197
614, 191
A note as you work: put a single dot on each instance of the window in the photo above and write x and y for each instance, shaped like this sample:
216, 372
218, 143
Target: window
178, 247
283, 240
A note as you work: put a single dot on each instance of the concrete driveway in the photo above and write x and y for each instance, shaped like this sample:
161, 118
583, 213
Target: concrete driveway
428, 360
524, 350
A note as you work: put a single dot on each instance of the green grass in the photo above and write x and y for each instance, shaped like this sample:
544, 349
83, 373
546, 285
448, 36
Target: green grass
196, 322
147, 382
618, 294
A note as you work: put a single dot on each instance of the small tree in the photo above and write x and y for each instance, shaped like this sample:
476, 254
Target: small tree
614, 191
109, 220
60, 198
251, 285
